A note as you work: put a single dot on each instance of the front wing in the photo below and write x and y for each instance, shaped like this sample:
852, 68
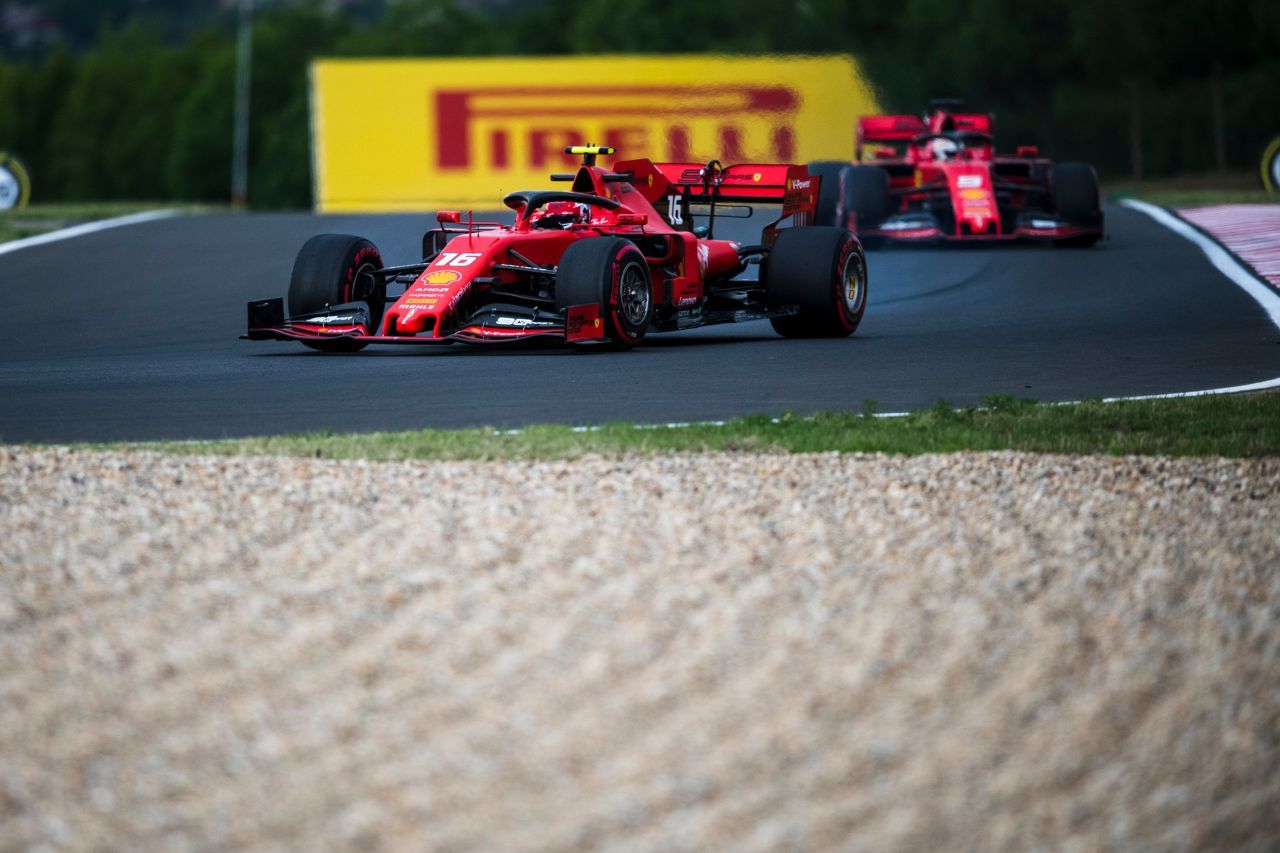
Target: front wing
920, 226
351, 322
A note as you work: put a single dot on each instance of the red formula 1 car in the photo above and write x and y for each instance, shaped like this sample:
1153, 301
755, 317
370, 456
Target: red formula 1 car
939, 178
615, 257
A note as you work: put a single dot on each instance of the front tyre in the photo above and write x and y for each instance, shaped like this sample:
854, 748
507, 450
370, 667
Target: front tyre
332, 269
612, 273
822, 272
865, 200
1074, 189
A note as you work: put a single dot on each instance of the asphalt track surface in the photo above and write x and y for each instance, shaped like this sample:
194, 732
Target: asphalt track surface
131, 333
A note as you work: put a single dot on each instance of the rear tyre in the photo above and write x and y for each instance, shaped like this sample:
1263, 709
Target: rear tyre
612, 273
1074, 189
332, 269
865, 199
829, 192
823, 272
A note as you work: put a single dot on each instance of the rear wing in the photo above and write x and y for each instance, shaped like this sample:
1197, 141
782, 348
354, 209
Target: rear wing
778, 183
888, 136
882, 137
890, 128
976, 122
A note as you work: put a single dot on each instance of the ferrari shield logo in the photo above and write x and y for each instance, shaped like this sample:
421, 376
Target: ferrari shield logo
582, 323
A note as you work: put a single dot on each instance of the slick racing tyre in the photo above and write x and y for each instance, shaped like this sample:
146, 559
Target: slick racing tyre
829, 192
1271, 166
1074, 188
332, 269
823, 272
866, 196
612, 273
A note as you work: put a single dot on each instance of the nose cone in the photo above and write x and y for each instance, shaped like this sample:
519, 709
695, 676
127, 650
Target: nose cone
973, 200
435, 294
414, 320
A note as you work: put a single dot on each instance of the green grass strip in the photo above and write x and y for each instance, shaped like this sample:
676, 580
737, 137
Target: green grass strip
1245, 425
1201, 198
1195, 190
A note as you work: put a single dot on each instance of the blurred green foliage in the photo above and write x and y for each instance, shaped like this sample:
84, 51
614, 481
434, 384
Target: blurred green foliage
140, 105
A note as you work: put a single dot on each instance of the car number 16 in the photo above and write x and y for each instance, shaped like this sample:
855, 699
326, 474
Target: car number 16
457, 259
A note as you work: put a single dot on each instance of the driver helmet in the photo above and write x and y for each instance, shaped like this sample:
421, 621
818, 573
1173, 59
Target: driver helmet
944, 149
561, 214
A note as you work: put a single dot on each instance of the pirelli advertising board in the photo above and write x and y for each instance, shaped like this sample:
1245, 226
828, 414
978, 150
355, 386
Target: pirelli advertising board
416, 134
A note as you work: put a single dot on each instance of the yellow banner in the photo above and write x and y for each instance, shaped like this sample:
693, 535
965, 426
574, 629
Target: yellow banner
416, 134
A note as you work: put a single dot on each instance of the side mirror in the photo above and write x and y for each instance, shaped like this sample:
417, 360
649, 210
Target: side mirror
633, 218
1028, 151
448, 216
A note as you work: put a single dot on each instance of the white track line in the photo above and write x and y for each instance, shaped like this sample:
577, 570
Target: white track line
1234, 389
86, 228
1219, 257
1250, 231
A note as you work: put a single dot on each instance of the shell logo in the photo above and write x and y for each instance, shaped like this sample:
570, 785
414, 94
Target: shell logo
442, 277
756, 177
